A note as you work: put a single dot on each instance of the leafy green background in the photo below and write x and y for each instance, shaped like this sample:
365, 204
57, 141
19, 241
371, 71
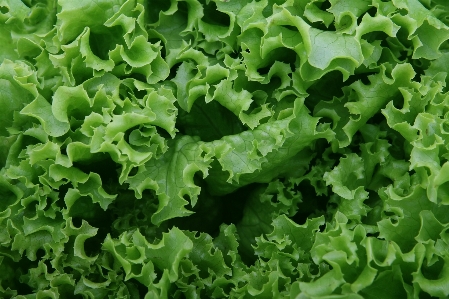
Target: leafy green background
224, 149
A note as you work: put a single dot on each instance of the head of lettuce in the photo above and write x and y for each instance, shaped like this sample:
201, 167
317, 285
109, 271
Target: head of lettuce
224, 149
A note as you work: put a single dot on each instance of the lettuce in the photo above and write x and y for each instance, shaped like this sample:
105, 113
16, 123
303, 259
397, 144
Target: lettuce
224, 149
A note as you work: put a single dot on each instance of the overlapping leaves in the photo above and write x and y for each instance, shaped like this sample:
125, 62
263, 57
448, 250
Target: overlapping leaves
306, 141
